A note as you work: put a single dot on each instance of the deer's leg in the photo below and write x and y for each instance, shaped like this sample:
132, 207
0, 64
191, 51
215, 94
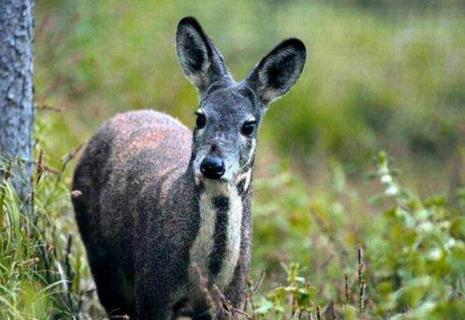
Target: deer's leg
161, 275
154, 293
110, 288
236, 290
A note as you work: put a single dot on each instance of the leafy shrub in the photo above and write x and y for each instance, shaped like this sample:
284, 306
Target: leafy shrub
411, 265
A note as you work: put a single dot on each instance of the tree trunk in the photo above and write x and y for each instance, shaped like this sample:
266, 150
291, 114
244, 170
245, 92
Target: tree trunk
16, 90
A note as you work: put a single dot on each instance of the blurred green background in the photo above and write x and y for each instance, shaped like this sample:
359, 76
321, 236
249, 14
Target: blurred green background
381, 75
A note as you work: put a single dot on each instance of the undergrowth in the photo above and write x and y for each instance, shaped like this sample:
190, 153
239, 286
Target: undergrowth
410, 265
404, 260
40, 267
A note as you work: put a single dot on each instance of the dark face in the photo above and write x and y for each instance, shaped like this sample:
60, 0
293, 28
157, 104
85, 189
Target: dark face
229, 114
225, 135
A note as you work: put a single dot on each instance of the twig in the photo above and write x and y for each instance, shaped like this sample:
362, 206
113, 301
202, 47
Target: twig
360, 265
40, 166
346, 288
45, 107
362, 296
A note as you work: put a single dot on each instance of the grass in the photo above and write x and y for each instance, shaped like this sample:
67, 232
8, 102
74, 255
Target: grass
387, 78
34, 260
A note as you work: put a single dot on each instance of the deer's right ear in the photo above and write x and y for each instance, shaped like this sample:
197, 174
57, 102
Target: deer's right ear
278, 71
201, 61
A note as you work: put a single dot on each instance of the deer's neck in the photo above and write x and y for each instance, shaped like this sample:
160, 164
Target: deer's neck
216, 248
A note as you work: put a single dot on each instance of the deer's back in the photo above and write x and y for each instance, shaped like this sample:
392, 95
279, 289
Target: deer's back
134, 133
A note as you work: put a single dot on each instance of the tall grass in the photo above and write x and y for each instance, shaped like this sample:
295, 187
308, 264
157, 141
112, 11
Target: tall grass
41, 268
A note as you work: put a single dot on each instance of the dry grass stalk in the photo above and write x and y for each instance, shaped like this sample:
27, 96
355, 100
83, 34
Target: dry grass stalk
360, 265
346, 287
40, 166
330, 311
45, 107
362, 296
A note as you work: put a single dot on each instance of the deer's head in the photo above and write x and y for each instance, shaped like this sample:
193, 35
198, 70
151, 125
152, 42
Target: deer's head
230, 112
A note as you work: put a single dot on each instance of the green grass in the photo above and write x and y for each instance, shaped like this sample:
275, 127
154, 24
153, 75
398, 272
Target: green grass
385, 77
34, 262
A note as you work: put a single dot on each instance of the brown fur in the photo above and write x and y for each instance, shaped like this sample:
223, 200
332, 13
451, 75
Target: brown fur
134, 175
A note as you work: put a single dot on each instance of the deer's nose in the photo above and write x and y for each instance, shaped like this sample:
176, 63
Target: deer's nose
212, 167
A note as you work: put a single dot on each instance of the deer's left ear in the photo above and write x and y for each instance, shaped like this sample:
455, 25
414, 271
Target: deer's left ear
278, 71
201, 61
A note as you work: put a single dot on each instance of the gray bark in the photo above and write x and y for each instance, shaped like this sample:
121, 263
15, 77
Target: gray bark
16, 90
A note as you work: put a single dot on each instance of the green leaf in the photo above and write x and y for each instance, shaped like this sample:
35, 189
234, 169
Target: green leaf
264, 306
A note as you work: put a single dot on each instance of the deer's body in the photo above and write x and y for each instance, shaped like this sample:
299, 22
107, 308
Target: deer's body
136, 181
165, 214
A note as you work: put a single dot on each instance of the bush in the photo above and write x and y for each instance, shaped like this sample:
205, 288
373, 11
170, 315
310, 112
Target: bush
410, 263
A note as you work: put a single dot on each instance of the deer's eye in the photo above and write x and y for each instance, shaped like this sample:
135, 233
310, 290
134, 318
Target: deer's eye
201, 120
248, 128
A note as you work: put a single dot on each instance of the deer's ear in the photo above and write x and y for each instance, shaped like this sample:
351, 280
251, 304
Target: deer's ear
278, 71
201, 61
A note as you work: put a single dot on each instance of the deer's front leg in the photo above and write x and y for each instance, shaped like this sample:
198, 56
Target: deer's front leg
152, 288
160, 279
161, 273
236, 290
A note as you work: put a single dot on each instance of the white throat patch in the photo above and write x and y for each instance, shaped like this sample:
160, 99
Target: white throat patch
204, 243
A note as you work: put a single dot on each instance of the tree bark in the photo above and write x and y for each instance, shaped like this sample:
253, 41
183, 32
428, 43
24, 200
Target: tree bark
16, 90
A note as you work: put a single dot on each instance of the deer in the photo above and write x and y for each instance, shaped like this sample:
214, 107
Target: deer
165, 212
